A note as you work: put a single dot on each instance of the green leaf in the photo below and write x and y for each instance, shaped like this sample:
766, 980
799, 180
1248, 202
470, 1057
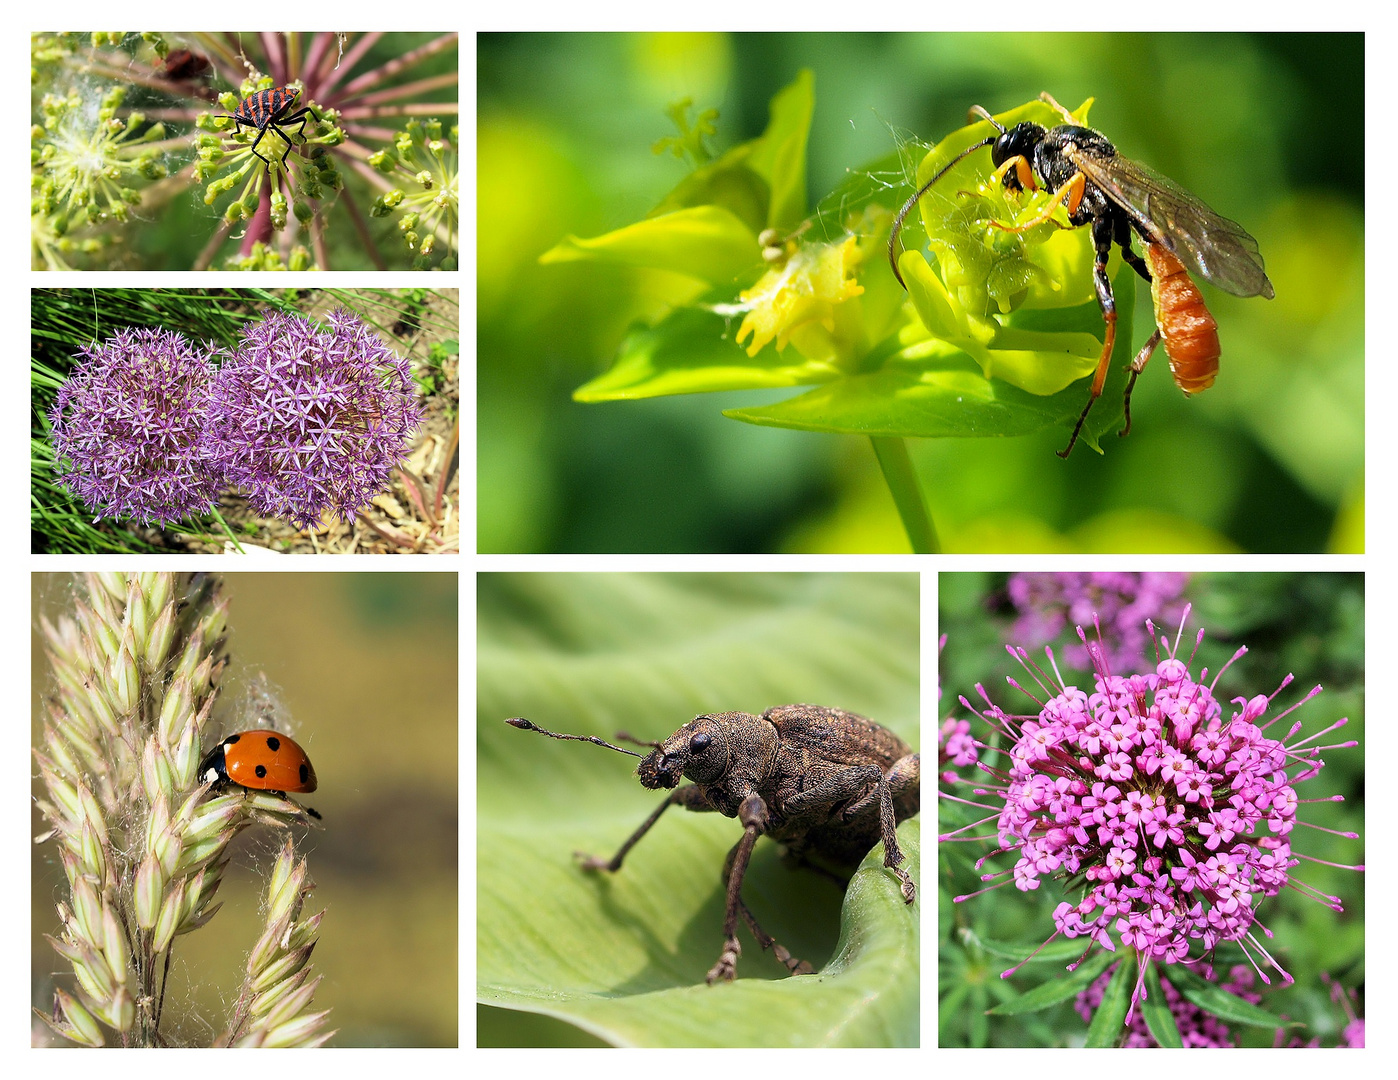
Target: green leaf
1110, 1017
1212, 998
780, 153
1056, 989
704, 242
934, 390
729, 184
1041, 362
624, 956
762, 182
1056, 952
1156, 1011
692, 351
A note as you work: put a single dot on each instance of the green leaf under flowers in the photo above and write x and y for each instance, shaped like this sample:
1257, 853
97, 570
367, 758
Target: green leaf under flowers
932, 389
1213, 999
728, 183
704, 242
1110, 1017
692, 352
624, 955
1062, 951
1058, 989
1155, 1010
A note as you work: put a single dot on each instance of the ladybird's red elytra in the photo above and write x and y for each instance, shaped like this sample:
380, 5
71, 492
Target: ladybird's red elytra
259, 760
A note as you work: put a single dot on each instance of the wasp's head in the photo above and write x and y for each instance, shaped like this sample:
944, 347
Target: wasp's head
1018, 141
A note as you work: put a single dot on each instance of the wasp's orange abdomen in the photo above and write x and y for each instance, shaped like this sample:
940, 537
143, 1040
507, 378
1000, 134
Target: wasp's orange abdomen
1188, 330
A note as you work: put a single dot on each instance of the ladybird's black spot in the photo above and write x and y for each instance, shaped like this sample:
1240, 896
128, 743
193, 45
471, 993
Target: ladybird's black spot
231, 740
273, 743
305, 771
261, 771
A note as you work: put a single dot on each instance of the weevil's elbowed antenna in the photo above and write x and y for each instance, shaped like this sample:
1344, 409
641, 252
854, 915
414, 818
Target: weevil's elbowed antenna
528, 725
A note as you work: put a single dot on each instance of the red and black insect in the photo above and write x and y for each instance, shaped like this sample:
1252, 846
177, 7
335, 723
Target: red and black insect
181, 65
259, 760
1117, 197
266, 111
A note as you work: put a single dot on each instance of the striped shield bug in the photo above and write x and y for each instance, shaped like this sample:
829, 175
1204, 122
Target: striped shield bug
267, 110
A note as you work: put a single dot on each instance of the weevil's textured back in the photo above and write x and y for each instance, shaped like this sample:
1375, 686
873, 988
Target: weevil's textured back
837, 736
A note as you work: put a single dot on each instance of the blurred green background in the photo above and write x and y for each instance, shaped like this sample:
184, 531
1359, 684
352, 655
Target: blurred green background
1267, 129
1310, 625
363, 669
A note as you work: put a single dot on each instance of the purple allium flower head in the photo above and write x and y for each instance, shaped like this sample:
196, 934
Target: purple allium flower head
308, 419
127, 427
1197, 1027
1170, 820
1120, 602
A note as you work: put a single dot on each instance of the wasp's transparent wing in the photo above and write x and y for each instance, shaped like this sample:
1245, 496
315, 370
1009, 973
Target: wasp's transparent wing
1222, 251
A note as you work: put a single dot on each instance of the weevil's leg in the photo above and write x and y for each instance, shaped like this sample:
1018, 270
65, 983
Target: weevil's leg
857, 780
793, 964
1102, 242
1138, 365
753, 816
689, 796
1073, 189
1048, 99
898, 795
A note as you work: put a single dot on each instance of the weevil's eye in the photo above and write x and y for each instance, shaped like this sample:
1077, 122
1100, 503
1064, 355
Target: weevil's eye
699, 743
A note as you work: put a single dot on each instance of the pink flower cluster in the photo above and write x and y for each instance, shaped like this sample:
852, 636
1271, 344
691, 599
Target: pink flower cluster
955, 746
1118, 601
1170, 820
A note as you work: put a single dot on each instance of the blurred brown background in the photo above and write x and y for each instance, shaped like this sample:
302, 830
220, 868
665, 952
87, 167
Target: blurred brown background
363, 673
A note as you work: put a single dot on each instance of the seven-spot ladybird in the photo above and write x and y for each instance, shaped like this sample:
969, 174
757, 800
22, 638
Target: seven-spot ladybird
260, 760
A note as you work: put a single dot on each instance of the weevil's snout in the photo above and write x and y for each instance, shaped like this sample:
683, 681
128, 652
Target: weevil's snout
660, 770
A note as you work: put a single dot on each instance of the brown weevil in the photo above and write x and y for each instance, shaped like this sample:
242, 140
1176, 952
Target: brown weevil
825, 783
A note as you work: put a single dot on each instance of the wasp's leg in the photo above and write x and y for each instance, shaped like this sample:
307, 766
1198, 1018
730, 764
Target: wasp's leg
1024, 176
1123, 241
1138, 365
1102, 243
1073, 189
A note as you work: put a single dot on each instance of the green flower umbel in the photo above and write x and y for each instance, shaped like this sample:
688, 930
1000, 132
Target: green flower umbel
425, 164
87, 165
